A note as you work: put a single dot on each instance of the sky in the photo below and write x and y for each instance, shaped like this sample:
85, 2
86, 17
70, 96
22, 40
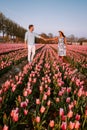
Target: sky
49, 16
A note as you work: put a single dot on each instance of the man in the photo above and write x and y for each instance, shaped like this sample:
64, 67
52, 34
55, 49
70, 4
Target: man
30, 40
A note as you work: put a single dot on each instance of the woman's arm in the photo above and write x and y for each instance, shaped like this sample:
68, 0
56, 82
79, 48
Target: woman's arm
65, 41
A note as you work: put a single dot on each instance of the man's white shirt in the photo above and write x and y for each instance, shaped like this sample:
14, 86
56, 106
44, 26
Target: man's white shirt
30, 37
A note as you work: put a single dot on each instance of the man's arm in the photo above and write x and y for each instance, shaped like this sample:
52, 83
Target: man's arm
43, 38
25, 40
53, 39
25, 45
38, 36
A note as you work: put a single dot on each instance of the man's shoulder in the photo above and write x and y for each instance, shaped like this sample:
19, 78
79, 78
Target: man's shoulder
26, 32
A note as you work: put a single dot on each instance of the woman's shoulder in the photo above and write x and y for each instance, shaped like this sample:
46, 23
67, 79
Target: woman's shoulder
61, 37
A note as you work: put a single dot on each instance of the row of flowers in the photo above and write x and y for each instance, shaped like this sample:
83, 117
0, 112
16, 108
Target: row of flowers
4, 48
46, 95
77, 56
6, 60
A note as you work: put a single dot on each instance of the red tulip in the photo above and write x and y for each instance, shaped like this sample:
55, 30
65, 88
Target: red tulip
77, 117
64, 126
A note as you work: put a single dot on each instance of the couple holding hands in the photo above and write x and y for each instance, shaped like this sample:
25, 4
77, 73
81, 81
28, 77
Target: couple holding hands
30, 41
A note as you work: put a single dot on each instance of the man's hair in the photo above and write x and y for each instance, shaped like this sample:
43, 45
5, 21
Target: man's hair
30, 26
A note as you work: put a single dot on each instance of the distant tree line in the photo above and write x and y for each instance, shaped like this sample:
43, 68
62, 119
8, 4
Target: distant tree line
10, 30
72, 39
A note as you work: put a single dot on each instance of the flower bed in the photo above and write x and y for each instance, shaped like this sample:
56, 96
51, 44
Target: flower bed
14, 57
45, 95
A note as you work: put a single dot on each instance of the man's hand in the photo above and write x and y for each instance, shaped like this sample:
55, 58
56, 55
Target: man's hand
43, 38
25, 46
52, 39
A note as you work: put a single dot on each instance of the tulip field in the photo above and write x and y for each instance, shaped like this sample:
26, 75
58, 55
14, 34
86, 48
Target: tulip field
47, 94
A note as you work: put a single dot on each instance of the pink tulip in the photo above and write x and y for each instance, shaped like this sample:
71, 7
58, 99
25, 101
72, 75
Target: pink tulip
42, 110
85, 112
44, 97
77, 82
71, 106
49, 80
41, 89
57, 100
70, 114
37, 101
61, 111
48, 103
25, 112
51, 124
13, 88
7, 84
48, 92
28, 84
75, 102
59, 84
46, 86
29, 91
69, 89
27, 100
73, 79
37, 119
60, 93
15, 115
25, 93
5, 127
34, 80
80, 92
81, 82
71, 125
86, 93
68, 100
16, 77
30, 79
77, 125
24, 104
0, 91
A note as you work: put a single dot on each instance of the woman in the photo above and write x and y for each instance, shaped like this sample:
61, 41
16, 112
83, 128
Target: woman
62, 45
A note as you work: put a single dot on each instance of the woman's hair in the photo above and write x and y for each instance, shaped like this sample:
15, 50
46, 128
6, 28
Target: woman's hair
62, 34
